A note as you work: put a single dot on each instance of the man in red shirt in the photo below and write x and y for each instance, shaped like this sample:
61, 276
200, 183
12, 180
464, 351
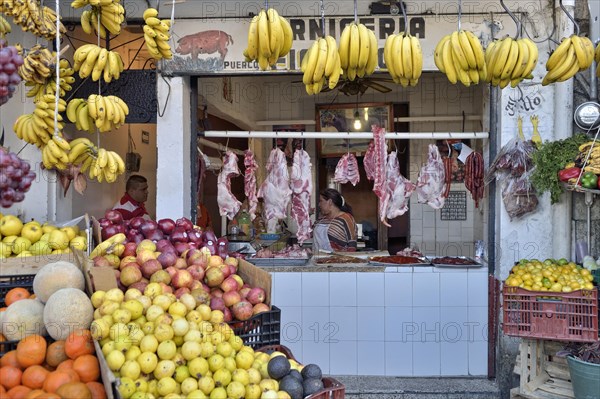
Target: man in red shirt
132, 203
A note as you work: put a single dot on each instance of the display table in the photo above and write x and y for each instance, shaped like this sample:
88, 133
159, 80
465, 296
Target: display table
359, 319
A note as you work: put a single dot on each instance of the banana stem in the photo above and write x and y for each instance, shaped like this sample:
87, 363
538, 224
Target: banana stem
403, 9
323, 17
459, 13
355, 11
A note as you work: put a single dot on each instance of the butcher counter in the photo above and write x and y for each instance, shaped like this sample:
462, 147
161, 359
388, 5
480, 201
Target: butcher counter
360, 319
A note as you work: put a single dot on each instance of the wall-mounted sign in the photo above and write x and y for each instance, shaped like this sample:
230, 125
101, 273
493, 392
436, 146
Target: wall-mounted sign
204, 46
455, 206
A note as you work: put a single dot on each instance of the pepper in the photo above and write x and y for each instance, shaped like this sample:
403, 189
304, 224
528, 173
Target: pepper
589, 180
569, 173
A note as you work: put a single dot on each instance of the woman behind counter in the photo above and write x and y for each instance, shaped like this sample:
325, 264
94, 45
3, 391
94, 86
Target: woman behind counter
336, 230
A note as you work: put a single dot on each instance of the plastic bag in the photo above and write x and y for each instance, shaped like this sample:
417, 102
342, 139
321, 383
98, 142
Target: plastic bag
514, 159
519, 196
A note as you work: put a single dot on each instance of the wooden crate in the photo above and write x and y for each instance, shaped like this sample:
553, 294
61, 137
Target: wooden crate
543, 374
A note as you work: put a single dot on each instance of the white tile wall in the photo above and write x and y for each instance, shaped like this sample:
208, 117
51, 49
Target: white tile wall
370, 289
343, 358
315, 289
426, 358
315, 323
291, 324
399, 323
454, 324
371, 323
478, 357
453, 361
318, 353
478, 318
371, 358
398, 358
477, 290
398, 289
344, 320
426, 321
453, 288
287, 289
426, 289
342, 289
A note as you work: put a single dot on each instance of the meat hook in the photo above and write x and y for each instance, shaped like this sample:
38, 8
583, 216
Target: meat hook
514, 18
560, 2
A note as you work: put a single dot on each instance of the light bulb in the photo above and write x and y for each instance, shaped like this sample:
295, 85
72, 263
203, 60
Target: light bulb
357, 124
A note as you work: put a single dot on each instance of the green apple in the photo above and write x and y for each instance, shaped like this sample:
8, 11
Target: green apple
21, 244
40, 248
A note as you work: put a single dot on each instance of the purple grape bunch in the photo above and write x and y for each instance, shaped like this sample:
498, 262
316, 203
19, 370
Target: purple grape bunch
16, 177
10, 61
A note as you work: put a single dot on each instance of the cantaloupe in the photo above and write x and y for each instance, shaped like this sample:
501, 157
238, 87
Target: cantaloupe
67, 310
54, 276
23, 318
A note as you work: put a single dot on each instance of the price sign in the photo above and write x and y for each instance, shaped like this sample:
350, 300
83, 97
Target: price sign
455, 206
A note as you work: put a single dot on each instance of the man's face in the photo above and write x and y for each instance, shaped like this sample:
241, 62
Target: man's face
140, 192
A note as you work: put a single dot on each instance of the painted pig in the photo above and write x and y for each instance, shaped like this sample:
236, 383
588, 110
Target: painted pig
206, 42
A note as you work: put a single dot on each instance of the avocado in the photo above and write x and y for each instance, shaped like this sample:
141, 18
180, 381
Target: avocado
312, 385
296, 374
292, 386
278, 367
312, 371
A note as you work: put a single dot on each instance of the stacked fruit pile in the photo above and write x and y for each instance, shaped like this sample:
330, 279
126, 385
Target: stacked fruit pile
34, 238
585, 170
550, 275
159, 345
10, 61
269, 38
15, 179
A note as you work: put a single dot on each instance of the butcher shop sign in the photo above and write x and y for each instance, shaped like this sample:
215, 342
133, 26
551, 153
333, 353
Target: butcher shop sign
208, 46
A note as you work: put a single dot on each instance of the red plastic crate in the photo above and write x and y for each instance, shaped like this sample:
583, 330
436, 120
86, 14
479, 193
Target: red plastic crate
559, 316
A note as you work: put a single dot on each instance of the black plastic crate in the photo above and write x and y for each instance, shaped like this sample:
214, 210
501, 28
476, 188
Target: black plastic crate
260, 330
7, 283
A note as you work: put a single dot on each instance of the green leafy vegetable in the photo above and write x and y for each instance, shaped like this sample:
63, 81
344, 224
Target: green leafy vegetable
550, 159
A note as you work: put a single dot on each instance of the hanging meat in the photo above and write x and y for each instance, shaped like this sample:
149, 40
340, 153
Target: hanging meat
430, 185
301, 183
474, 176
379, 160
228, 204
346, 170
250, 182
398, 187
275, 190
448, 164
369, 161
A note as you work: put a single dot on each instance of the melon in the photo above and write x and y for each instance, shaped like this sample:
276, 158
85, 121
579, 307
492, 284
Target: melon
23, 318
67, 310
54, 276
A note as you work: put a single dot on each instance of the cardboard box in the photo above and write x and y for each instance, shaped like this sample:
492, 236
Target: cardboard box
256, 277
31, 264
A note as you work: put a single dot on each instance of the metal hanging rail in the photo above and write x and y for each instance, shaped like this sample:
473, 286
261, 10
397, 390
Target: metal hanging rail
346, 135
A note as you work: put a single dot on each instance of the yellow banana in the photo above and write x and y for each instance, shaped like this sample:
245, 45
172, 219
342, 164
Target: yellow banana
468, 51
562, 68
263, 35
477, 49
86, 24
252, 49
288, 36
344, 48
396, 55
311, 63
150, 12
275, 35
374, 56
532, 58
332, 54
364, 46
437, 54
589, 46
580, 51
321, 60
451, 72
335, 75
387, 57
558, 56
417, 58
354, 53
458, 52
511, 62
407, 56
501, 57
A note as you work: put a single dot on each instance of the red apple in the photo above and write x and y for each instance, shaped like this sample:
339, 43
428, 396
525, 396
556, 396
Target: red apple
114, 217
171, 270
155, 235
181, 247
214, 276
166, 225
145, 255
227, 316
109, 231
242, 310
140, 285
185, 223
101, 261
230, 284
195, 236
180, 263
150, 267
231, 298
136, 222
182, 278
104, 222
196, 271
124, 265
232, 269
180, 291
166, 289
256, 295
162, 245
196, 284
259, 308
205, 287
244, 292
217, 303
129, 250
216, 292
167, 259
178, 235
148, 227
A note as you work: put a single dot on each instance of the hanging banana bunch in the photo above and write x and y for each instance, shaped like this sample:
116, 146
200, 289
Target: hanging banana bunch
460, 56
156, 35
32, 17
574, 54
320, 63
94, 61
597, 57
104, 18
37, 90
38, 64
101, 164
403, 57
269, 38
510, 61
37, 128
77, 113
358, 51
